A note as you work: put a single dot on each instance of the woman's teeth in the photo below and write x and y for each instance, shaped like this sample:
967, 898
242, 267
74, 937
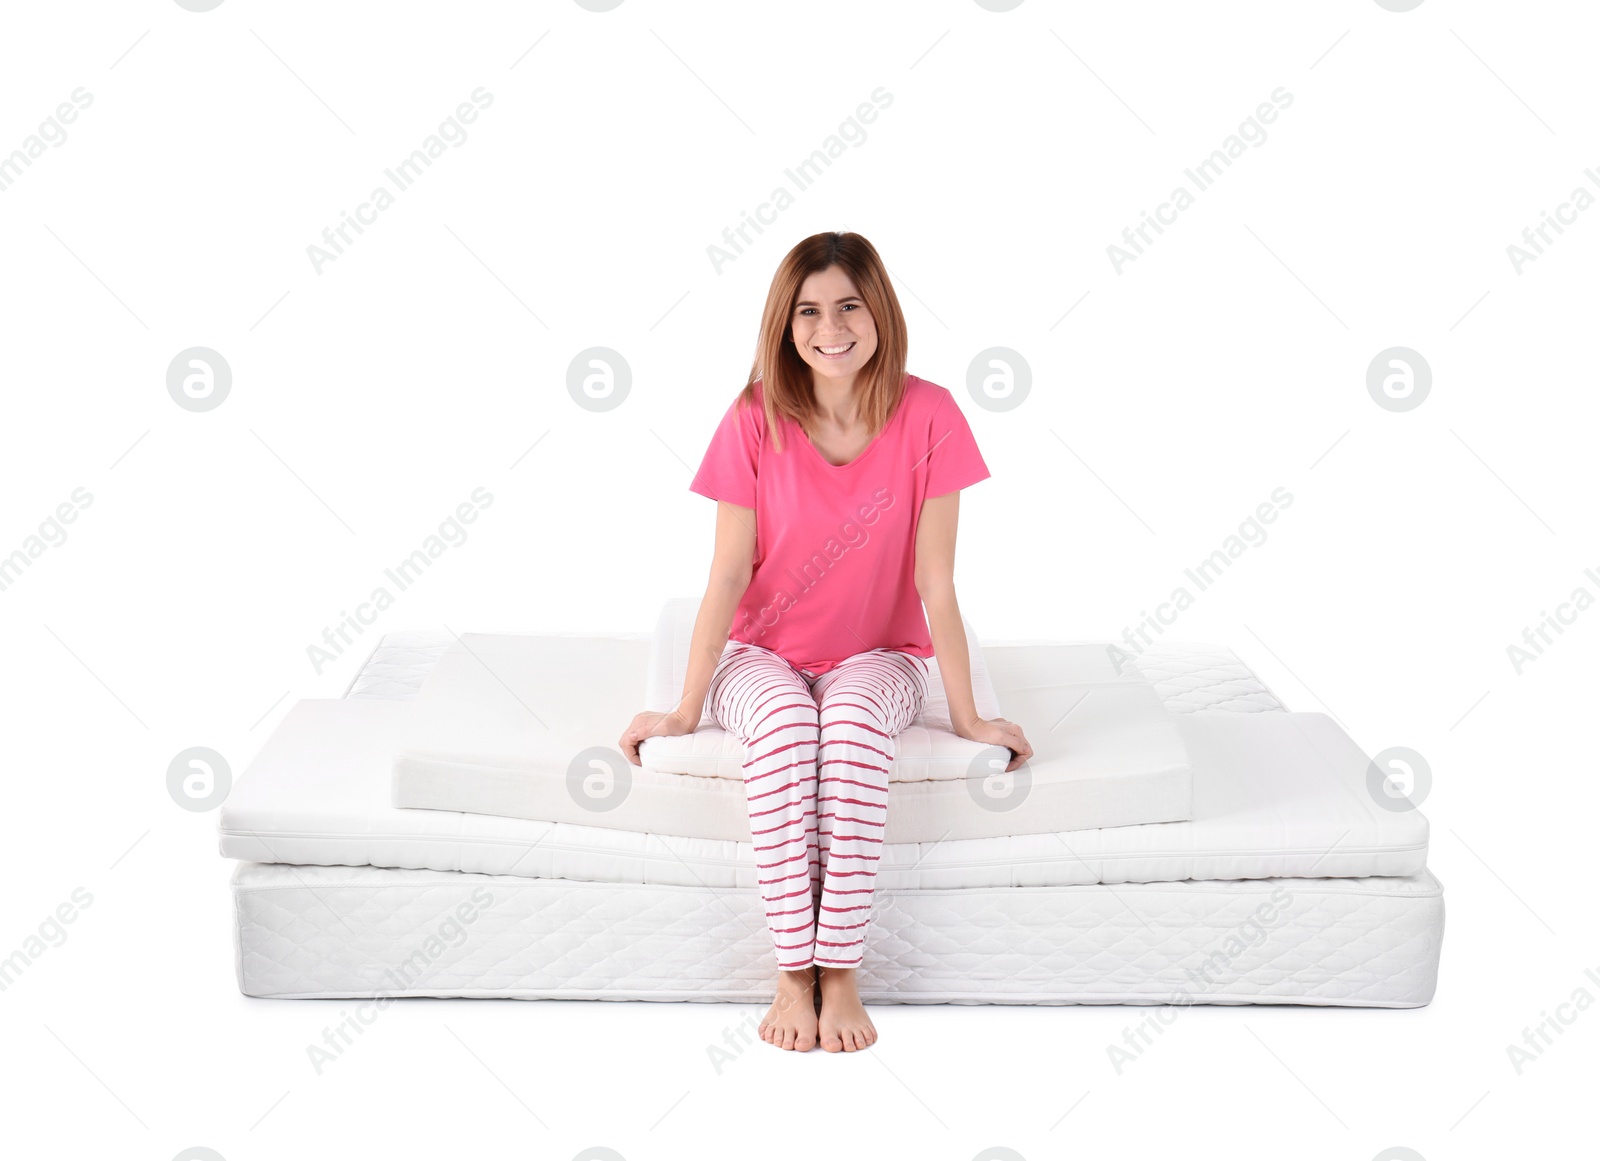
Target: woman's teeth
835, 352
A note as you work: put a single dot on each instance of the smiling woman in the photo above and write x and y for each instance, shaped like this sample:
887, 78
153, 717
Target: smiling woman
816, 660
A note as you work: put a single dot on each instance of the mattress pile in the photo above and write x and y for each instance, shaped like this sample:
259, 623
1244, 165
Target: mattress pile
459, 825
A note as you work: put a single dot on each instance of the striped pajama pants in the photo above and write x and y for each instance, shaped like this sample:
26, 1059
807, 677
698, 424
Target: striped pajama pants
817, 753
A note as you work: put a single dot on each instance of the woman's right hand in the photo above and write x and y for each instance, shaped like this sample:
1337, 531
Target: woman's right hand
653, 724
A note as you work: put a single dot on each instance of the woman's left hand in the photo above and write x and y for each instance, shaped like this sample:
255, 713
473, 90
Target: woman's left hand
1000, 732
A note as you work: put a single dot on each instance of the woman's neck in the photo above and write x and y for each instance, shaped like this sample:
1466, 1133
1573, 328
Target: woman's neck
837, 403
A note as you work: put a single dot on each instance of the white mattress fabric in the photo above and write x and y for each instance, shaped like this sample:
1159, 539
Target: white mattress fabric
1195, 677
524, 726
1189, 677
363, 932
587, 912
1275, 794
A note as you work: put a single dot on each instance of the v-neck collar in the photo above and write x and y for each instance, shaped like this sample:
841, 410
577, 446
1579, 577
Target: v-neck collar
872, 445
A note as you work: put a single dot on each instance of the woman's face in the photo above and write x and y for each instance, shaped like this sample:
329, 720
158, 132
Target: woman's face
832, 327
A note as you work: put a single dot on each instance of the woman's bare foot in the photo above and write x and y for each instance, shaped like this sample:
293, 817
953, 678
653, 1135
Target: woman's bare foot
791, 1022
844, 1025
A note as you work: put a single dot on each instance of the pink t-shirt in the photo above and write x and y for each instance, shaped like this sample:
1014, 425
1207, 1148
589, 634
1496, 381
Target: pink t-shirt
836, 544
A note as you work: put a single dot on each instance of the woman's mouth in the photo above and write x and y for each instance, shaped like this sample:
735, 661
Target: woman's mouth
835, 350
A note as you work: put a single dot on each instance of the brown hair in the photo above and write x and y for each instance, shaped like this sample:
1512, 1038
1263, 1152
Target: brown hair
785, 377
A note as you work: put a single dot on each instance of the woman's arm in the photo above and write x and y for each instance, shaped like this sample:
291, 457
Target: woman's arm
935, 579
935, 576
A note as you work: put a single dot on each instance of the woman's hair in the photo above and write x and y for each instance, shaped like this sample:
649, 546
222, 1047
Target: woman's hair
785, 377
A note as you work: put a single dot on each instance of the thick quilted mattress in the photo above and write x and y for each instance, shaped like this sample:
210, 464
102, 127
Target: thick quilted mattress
355, 932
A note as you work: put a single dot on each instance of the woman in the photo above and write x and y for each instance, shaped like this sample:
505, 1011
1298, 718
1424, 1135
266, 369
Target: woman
836, 477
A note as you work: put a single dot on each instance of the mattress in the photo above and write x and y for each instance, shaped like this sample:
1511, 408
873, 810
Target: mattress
648, 917
354, 932
519, 725
1188, 677
1286, 797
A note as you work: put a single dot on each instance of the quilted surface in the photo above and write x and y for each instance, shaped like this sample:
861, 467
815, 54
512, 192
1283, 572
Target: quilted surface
364, 931
1195, 678
398, 663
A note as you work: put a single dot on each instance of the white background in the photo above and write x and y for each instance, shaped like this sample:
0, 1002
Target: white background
371, 398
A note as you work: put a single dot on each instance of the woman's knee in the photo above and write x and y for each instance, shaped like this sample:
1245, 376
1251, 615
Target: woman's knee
789, 720
846, 708
759, 694
888, 702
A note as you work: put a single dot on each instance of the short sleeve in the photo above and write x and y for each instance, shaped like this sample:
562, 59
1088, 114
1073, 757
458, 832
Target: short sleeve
728, 471
953, 459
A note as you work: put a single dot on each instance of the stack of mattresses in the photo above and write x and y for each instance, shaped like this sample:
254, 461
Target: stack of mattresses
460, 824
